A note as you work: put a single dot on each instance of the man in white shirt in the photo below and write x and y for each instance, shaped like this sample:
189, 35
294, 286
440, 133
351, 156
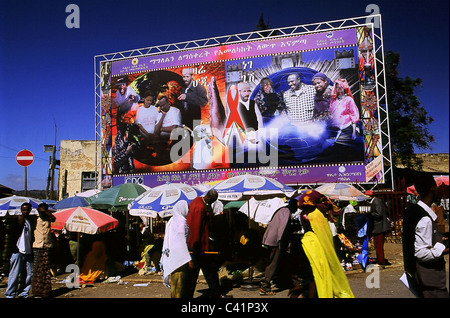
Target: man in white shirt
169, 118
19, 279
423, 244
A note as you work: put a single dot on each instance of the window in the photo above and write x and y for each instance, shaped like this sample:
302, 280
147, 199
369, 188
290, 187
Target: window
88, 181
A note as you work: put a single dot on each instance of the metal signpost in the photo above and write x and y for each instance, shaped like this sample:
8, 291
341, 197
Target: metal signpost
25, 158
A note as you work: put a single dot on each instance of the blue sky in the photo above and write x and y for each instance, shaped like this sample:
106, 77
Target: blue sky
47, 72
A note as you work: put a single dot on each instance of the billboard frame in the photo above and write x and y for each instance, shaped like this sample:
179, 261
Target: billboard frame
373, 21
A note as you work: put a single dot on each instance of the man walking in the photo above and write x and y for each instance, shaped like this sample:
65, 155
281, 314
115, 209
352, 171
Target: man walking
379, 227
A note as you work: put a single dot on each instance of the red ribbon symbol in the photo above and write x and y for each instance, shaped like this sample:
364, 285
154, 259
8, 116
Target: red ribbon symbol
234, 117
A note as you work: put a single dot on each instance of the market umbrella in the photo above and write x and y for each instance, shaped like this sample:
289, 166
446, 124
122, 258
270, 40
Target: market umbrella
262, 211
50, 203
244, 187
71, 202
247, 185
341, 192
161, 199
83, 220
88, 193
11, 205
116, 198
442, 183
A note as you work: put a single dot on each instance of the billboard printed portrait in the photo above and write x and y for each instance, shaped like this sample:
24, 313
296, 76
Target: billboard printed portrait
275, 103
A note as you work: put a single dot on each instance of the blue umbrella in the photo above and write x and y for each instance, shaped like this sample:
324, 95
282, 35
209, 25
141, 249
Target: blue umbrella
243, 187
238, 187
11, 205
161, 199
71, 202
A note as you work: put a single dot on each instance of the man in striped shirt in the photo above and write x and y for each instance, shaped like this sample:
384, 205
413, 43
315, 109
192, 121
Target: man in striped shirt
299, 100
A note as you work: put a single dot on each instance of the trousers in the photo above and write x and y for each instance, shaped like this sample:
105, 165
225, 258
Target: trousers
378, 241
19, 279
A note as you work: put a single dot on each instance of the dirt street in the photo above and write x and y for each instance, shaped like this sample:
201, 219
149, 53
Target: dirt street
365, 285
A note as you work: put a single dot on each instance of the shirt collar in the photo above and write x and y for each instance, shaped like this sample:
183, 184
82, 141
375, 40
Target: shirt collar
246, 104
297, 92
428, 210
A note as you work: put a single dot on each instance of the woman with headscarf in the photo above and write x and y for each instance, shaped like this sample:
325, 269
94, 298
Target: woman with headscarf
175, 254
318, 245
344, 114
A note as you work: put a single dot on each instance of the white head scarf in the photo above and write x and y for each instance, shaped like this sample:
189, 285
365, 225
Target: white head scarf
175, 252
181, 208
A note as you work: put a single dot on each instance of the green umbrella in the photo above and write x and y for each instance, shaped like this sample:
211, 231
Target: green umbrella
117, 197
234, 204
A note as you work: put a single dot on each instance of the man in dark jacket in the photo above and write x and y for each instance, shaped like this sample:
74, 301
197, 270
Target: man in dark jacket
19, 279
380, 227
194, 98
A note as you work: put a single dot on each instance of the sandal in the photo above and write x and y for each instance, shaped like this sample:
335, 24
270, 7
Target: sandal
266, 292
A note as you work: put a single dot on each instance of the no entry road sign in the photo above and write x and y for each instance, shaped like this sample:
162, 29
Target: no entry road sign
24, 158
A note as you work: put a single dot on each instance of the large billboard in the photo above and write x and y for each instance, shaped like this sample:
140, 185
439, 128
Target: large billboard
302, 109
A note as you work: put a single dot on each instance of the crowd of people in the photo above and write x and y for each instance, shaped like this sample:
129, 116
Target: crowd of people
29, 271
301, 250
298, 249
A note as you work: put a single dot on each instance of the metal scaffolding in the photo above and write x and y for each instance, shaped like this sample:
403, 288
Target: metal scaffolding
372, 21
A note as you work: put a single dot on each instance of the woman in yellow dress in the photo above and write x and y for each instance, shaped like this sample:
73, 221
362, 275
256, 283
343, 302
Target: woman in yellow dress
317, 242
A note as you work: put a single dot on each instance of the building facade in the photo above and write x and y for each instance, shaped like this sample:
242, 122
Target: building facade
77, 170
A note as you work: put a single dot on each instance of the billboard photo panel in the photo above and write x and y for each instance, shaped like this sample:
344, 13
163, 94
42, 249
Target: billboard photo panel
302, 109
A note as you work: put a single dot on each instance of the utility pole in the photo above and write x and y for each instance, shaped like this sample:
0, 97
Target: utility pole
49, 177
51, 169
52, 194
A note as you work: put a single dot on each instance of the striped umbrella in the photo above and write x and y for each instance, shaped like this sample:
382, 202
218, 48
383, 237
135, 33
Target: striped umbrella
238, 187
11, 205
342, 192
161, 199
84, 220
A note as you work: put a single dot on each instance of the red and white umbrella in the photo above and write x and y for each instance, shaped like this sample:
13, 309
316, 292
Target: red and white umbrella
441, 181
84, 220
